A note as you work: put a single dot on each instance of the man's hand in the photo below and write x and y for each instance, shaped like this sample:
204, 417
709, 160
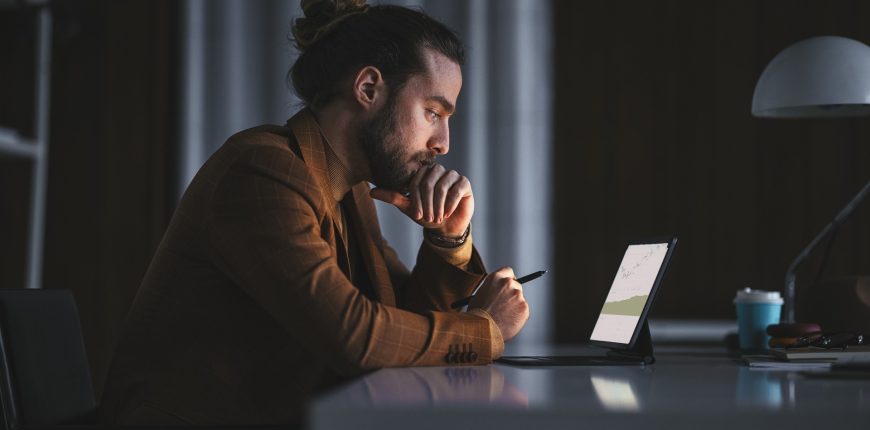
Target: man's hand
440, 200
502, 297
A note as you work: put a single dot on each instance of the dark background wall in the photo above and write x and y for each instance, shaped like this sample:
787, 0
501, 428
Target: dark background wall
654, 136
113, 134
17, 56
110, 190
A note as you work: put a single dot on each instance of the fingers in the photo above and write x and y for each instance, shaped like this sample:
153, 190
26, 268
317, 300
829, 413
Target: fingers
392, 197
504, 278
503, 298
436, 193
443, 189
427, 191
460, 189
504, 272
414, 188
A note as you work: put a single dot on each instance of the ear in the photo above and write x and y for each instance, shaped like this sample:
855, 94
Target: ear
369, 87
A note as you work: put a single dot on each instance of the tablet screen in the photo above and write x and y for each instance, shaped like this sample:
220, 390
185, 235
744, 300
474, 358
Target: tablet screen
629, 292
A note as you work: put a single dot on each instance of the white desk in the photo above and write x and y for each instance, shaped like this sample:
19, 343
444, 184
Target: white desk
698, 388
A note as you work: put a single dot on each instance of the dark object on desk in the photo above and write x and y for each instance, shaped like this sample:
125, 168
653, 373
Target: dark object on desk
793, 330
838, 305
45, 379
522, 280
789, 334
828, 340
847, 355
638, 355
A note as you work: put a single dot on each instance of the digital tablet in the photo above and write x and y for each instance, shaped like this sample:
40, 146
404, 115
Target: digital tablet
621, 326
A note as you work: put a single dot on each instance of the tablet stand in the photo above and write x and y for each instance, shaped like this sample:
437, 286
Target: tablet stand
642, 349
640, 354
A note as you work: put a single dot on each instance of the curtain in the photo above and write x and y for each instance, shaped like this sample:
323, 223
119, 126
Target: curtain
236, 55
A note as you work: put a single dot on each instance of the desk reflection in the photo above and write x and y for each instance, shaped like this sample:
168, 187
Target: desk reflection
761, 389
428, 386
688, 387
615, 394
621, 389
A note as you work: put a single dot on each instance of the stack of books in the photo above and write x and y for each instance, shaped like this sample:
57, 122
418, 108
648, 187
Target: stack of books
811, 358
852, 355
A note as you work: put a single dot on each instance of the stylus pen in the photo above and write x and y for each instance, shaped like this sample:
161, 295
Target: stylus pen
530, 277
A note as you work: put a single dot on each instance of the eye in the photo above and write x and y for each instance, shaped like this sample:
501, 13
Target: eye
432, 115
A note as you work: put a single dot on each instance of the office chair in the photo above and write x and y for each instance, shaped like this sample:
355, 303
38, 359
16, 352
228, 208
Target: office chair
44, 374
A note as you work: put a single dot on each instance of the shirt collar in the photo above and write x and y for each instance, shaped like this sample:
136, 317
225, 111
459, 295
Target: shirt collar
339, 177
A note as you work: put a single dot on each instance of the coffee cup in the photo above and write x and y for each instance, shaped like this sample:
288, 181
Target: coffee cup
756, 309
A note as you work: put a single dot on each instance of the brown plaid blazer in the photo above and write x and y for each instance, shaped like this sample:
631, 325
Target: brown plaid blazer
246, 310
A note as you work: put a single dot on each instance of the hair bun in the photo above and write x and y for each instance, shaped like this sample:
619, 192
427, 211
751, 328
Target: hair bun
321, 16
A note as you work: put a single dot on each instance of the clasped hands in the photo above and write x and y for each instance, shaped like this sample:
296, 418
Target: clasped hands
441, 200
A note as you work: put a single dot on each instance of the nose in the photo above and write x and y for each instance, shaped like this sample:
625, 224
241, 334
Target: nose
440, 140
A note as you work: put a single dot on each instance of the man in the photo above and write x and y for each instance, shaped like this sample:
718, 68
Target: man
273, 281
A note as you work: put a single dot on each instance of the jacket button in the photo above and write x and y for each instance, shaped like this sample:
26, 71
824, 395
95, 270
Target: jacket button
453, 357
466, 353
449, 356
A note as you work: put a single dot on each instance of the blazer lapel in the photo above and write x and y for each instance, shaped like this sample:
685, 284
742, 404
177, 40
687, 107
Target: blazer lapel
310, 142
361, 211
364, 218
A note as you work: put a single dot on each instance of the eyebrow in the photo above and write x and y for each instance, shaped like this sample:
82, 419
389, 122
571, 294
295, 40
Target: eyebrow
444, 103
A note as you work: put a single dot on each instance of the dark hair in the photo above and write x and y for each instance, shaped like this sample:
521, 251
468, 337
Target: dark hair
339, 37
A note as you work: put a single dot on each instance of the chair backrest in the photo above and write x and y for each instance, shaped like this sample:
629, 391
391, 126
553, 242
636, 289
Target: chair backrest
45, 379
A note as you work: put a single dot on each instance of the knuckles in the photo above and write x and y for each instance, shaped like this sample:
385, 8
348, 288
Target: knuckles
443, 186
435, 173
505, 272
440, 181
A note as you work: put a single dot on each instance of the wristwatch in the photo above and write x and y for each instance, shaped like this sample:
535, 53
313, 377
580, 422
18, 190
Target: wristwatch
445, 241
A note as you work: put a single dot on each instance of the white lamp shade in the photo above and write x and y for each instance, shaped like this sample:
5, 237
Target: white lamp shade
825, 76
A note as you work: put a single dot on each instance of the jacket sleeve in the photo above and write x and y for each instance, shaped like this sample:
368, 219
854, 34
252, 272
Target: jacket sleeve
436, 281
265, 234
435, 284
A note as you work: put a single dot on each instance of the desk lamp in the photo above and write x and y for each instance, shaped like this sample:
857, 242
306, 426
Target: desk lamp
820, 77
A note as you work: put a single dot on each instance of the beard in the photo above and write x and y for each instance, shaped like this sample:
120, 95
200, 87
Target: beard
392, 166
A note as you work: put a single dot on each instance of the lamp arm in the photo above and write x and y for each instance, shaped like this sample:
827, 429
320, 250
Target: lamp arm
790, 274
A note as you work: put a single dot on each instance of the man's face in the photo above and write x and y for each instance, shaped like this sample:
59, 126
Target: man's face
411, 128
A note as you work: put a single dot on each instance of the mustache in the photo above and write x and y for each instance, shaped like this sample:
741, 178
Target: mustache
426, 158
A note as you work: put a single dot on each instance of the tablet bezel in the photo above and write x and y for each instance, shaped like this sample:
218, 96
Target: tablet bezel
671, 241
